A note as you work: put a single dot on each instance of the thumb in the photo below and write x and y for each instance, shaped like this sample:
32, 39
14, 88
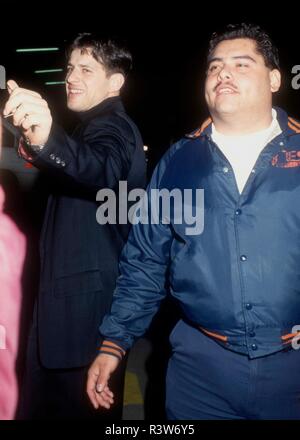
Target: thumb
108, 365
11, 86
103, 378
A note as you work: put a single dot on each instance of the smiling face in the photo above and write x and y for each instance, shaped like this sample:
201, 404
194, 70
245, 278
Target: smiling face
238, 80
87, 83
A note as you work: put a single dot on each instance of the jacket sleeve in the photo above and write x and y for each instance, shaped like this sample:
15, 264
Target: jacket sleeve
100, 159
141, 284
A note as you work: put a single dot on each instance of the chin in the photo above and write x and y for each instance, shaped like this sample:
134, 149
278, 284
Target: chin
227, 107
74, 107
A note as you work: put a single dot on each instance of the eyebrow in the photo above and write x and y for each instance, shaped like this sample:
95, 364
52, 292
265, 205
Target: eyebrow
81, 65
238, 57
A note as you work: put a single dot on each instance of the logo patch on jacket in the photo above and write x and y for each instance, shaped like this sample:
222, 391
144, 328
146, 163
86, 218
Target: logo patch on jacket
286, 159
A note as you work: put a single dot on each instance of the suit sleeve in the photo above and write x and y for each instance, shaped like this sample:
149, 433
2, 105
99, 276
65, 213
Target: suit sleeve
100, 159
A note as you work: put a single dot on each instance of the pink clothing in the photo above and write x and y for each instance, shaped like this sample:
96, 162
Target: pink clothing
12, 253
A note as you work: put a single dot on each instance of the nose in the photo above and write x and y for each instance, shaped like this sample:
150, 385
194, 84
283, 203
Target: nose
72, 76
224, 73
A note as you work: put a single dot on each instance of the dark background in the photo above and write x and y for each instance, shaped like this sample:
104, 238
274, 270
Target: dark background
163, 94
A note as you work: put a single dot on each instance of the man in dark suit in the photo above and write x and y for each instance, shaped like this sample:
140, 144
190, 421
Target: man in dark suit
79, 257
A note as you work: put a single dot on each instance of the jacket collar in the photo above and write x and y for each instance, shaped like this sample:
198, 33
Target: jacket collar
288, 125
113, 104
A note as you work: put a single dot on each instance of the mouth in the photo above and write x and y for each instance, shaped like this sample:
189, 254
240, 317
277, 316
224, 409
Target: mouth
72, 91
225, 90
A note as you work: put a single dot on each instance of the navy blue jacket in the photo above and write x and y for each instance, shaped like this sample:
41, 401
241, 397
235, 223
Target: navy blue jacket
239, 280
79, 257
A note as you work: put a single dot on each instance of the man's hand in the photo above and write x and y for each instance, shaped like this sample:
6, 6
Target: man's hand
30, 112
98, 376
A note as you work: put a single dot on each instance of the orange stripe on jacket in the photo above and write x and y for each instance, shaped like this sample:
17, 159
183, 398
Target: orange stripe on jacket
297, 130
114, 346
293, 121
215, 335
112, 351
290, 335
203, 127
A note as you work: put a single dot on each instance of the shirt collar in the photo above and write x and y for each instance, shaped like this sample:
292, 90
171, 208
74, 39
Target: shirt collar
269, 133
282, 118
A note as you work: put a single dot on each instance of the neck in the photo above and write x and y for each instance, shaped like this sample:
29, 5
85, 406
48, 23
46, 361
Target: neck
231, 125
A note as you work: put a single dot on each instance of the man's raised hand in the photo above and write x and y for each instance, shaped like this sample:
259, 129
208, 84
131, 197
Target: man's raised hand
29, 112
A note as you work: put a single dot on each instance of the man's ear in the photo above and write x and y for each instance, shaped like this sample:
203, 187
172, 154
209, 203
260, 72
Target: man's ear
275, 80
116, 81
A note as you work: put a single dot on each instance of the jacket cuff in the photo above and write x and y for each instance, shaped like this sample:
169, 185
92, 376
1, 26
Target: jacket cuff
109, 347
23, 151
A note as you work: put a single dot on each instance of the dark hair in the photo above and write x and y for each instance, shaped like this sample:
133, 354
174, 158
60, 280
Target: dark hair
264, 44
114, 57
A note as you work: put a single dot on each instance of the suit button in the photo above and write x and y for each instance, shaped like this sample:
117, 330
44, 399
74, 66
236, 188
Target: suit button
52, 156
254, 347
243, 258
63, 163
58, 160
248, 306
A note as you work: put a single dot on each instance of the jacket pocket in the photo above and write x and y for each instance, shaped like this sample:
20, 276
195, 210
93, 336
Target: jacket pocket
78, 284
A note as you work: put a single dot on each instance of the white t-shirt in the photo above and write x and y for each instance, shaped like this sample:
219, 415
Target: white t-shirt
242, 151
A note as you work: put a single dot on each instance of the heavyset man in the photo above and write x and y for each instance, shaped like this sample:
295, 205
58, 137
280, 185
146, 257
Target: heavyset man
237, 282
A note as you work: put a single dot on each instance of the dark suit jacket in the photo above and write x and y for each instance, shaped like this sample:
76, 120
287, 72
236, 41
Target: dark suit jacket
79, 257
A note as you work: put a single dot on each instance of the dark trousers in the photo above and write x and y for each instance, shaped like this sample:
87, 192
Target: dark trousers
60, 394
207, 381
